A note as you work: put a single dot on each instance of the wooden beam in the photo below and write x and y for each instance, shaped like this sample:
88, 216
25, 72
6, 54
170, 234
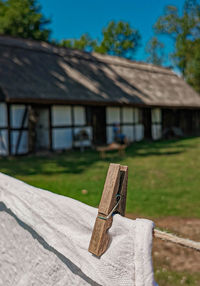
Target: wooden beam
72, 125
50, 129
9, 132
21, 130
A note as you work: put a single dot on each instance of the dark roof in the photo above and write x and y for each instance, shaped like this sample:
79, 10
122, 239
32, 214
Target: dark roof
38, 71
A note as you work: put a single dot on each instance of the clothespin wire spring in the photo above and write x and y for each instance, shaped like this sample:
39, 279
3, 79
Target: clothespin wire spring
118, 197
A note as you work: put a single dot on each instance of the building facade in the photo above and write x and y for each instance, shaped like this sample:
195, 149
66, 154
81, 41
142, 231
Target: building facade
56, 99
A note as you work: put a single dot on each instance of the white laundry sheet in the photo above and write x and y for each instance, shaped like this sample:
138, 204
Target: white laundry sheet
44, 240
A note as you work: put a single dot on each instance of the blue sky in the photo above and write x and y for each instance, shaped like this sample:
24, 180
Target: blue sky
70, 19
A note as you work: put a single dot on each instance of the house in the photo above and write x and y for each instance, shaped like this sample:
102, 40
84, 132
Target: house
57, 98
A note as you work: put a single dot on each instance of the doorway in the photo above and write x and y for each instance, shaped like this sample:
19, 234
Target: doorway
147, 123
98, 117
39, 129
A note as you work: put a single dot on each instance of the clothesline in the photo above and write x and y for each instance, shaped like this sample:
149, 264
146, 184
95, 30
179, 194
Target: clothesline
177, 240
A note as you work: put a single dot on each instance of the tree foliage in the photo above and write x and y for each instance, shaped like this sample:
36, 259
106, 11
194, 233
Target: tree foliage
84, 43
119, 39
155, 49
184, 28
23, 18
192, 72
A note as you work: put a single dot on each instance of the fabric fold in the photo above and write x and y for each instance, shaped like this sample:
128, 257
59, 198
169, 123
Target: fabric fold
52, 235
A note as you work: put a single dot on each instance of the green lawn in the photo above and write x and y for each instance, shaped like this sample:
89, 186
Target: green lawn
165, 277
164, 177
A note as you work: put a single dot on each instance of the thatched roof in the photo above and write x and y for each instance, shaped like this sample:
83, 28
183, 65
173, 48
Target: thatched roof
36, 71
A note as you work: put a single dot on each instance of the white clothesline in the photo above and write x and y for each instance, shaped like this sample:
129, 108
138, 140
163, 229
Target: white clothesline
177, 240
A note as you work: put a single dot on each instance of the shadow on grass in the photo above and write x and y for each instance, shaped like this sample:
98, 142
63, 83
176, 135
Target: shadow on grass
75, 162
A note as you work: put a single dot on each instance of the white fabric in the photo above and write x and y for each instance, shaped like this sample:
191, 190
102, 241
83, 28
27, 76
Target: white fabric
44, 239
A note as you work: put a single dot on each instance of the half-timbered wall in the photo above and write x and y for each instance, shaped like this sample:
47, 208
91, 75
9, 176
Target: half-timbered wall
156, 120
112, 117
138, 126
3, 130
128, 118
130, 123
83, 142
80, 126
61, 127
18, 129
67, 123
79, 116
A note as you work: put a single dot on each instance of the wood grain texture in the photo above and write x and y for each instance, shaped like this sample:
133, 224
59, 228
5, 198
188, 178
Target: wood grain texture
110, 189
115, 186
100, 239
123, 192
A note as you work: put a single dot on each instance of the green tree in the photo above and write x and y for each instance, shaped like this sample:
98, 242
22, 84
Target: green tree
184, 29
84, 43
155, 49
119, 39
23, 18
192, 72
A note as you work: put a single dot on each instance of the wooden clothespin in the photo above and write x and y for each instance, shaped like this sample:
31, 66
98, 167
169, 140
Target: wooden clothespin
113, 200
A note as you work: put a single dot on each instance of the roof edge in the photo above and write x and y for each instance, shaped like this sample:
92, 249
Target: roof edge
99, 103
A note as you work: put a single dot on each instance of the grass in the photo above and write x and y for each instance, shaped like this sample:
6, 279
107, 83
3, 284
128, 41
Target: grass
172, 278
163, 176
163, 181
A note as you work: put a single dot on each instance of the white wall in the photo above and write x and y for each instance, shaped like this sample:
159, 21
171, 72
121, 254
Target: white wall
85, 143
130, 125
136, 115
62, 138
79, 115
61, 115
17, 112
139, 132
16, 117
109, 134
156, 115
23, 146
129, 132
3, 115
156, 127
156, 130
3, 142
112, 115
127, 115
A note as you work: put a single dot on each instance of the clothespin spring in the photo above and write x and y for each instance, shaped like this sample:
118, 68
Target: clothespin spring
118, 198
